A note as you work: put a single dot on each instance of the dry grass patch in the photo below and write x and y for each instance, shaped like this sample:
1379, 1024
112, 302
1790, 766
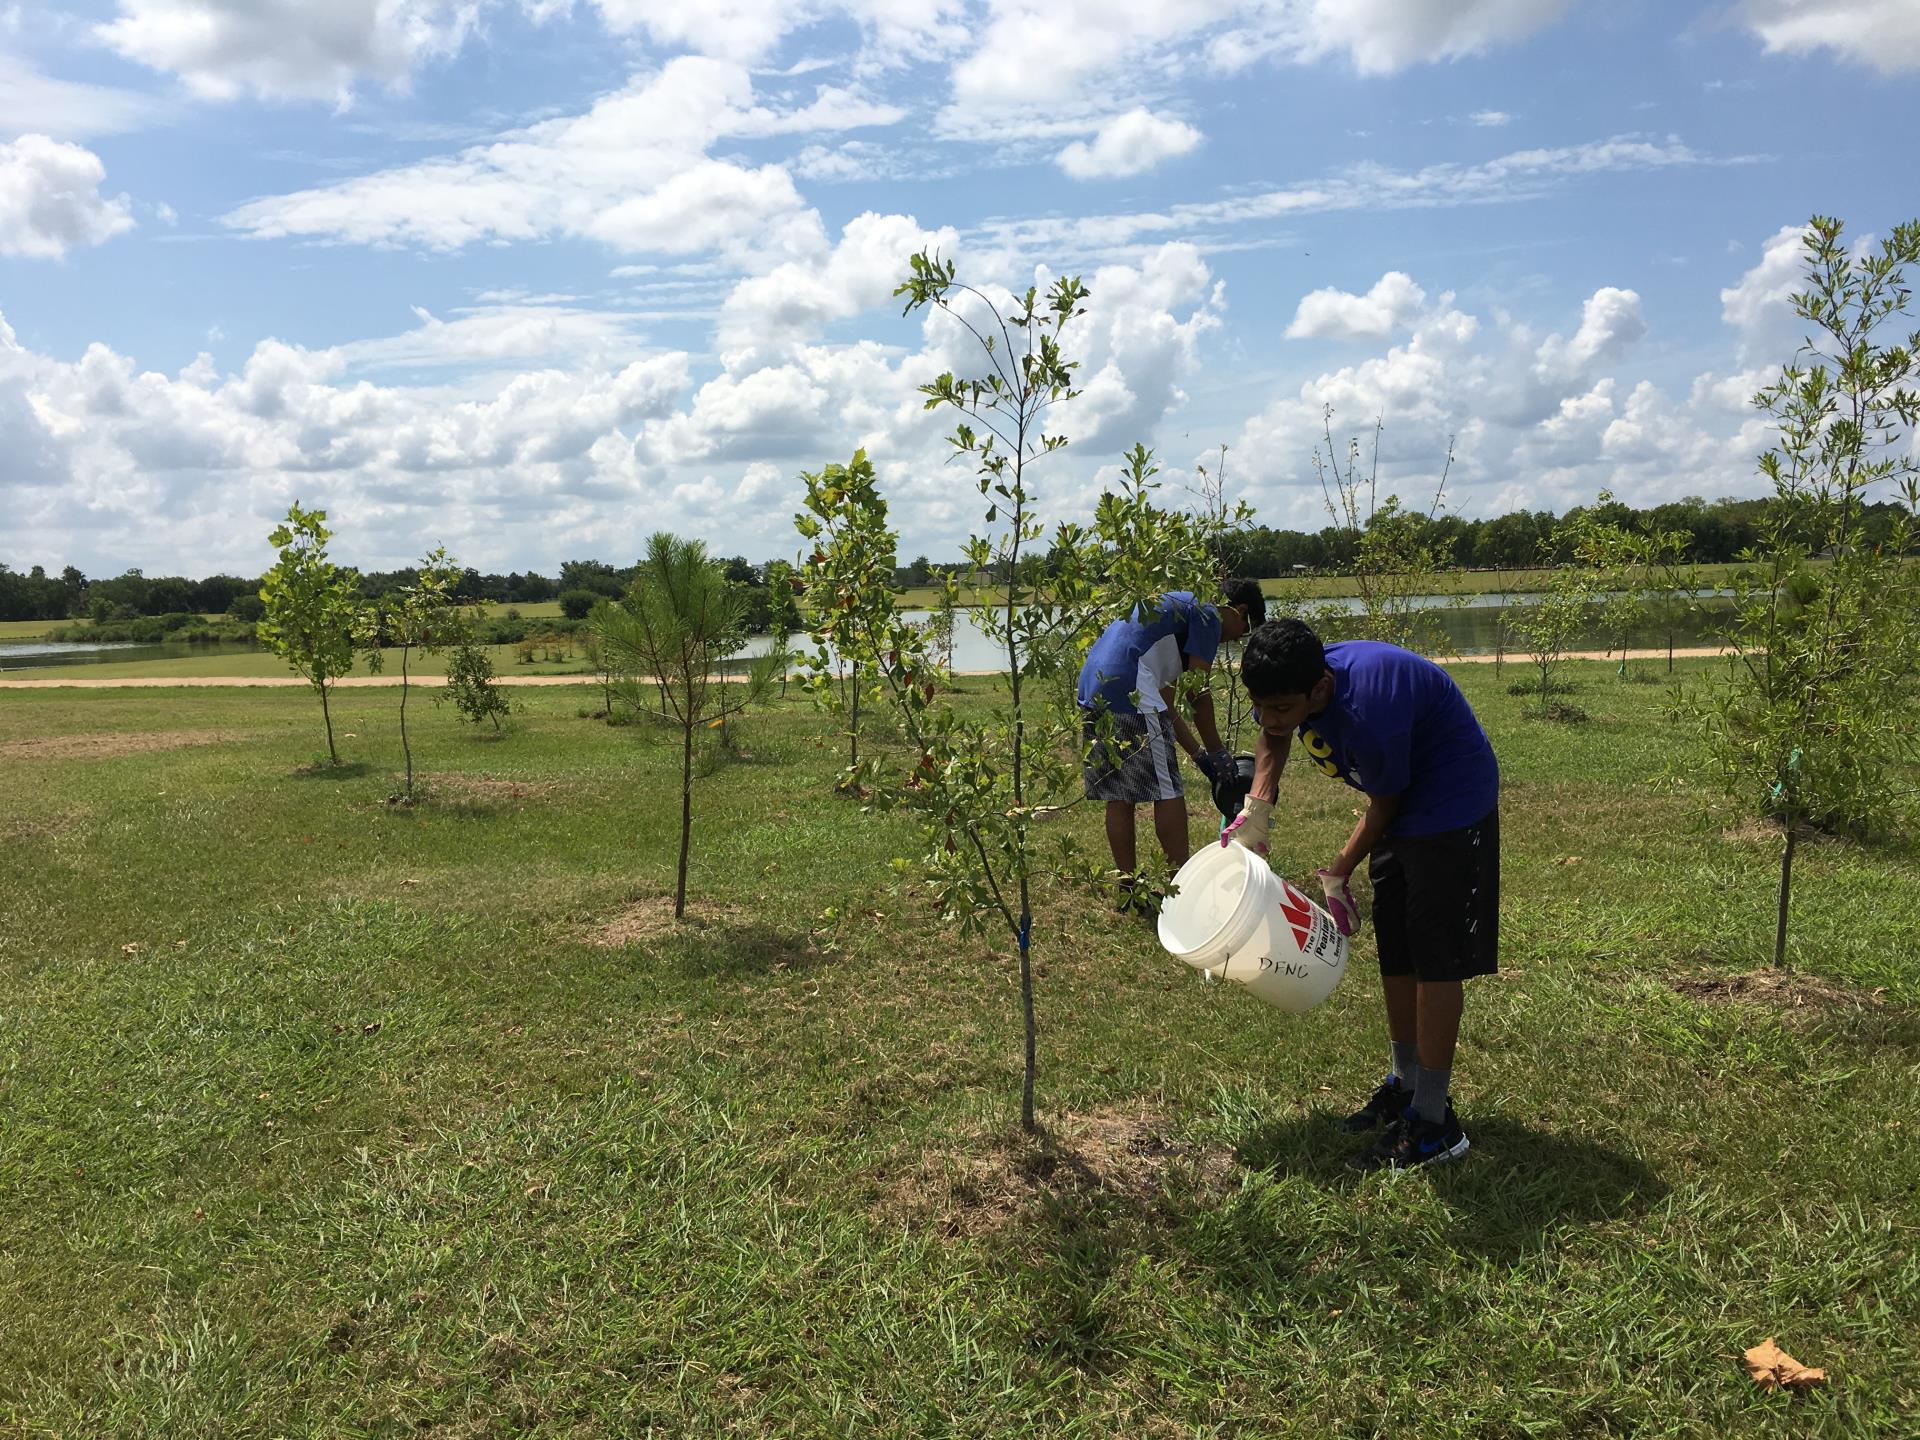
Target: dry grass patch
651, 918
1782, 989
1754, 831
985, 1184
108, 743
490, 787
43, 829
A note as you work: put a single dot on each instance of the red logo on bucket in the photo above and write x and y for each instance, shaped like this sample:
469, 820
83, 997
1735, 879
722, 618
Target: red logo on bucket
1299, 912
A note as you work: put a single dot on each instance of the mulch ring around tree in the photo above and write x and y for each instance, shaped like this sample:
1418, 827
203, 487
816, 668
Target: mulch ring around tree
650, 917
452, 786
986, 1184
1782, 989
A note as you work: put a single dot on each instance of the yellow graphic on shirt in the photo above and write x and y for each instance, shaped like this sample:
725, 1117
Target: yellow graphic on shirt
1321, 753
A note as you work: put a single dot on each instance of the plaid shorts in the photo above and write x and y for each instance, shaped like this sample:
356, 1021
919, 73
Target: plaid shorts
1136, 763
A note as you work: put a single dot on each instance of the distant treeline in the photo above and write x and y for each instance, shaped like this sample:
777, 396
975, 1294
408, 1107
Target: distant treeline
1716, 532
38, 594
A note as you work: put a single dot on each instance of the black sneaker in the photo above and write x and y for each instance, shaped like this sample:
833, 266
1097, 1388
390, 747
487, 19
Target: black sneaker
1414, 1142
1383, 1109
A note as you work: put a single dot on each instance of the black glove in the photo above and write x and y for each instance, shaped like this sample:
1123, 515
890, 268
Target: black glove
1232, 784
1214, 764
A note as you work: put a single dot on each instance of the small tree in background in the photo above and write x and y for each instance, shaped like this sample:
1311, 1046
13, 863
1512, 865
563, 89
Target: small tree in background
421, 617
848, 573
1615, 555
1821, 698
1553, 624
1677, 589
471, 687
1623, 563
783, 616
593, 646
677, 627
942, 621
311, 608
578, 604
1395, 554
1218, 518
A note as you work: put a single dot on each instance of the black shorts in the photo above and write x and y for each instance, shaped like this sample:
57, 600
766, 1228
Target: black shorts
1436, 902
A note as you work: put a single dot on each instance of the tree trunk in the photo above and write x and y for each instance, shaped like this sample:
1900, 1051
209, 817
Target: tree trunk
1786, 892
1026, 1008
686, 818
406, 747
327, 715
1020, 800
853, 731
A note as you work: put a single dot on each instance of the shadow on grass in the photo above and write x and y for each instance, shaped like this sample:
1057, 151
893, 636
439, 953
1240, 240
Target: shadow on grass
321, 770
714, 940
1520, 1184
738, 949
1517, 1184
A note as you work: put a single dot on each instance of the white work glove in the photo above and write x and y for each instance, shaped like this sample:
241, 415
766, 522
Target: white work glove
1249, 827
1346, 914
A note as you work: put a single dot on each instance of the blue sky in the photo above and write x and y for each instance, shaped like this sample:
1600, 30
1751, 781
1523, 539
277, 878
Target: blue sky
535, 278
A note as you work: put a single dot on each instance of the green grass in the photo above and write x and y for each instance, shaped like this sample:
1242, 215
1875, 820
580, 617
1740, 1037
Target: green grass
363, 1139
221, 661
529, 609
35, 629
18, 630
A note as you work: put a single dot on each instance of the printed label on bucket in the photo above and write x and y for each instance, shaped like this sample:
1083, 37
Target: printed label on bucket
1313, 930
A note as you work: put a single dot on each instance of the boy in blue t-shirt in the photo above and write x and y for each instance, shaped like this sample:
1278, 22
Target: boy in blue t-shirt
1130, 707
1394, 726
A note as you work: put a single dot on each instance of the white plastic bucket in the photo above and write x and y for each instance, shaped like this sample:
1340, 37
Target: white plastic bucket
1234, 919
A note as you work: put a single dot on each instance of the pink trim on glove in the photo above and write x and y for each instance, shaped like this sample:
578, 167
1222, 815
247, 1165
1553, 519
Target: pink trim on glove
1340, 903
1228, 835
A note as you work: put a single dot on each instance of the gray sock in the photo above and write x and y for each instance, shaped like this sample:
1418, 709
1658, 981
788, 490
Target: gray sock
1430, 1093
1406, 1060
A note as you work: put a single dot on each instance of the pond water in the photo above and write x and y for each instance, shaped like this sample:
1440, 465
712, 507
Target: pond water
24, 654
1473, 628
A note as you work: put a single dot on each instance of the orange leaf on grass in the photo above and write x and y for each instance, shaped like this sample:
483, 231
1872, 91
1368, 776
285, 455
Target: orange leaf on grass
1773, 1369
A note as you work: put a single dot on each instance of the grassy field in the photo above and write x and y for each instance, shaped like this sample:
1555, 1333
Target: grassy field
322, 1116
221, 661
19, 630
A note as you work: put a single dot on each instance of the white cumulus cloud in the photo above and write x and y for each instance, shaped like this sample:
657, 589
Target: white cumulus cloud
798, 299
1127, 145
1535, 422
286, 49
1760, 304
1884, 34
1383, 36
1337, 315
633, 171
50, 200
1378, 37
